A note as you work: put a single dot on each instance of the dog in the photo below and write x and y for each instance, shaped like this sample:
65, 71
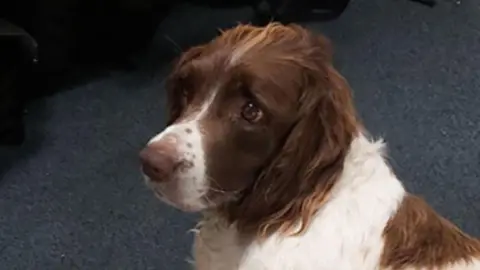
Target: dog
264, 140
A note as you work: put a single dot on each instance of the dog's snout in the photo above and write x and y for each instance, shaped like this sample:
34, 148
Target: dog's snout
159, 160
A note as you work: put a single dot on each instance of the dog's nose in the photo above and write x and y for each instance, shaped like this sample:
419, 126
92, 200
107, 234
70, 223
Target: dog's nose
159, 161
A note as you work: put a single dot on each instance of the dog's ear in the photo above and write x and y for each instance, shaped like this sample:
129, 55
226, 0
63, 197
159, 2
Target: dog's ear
177, 81
297, 181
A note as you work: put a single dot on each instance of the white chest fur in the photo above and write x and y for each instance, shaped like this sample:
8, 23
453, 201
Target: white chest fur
346, 233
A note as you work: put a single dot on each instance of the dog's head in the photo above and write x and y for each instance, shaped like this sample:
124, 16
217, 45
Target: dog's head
259, 125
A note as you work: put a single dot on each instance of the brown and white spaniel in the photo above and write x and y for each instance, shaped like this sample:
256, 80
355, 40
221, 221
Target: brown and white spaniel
263, 139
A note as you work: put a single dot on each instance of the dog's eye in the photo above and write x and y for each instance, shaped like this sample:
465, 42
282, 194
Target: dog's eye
251, 112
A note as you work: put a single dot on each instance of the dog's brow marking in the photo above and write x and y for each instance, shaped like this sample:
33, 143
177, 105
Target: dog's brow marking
173, 128
206, 105
237, 54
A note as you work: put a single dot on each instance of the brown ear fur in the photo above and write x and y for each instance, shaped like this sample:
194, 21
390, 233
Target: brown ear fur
297, 182
175, 82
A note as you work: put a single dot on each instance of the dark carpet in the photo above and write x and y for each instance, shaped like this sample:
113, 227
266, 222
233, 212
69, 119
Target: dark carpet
72, 197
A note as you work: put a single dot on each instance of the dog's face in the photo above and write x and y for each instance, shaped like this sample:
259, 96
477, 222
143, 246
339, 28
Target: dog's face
233, 103
227, 119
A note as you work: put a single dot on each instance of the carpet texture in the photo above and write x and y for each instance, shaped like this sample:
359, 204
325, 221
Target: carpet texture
72, 197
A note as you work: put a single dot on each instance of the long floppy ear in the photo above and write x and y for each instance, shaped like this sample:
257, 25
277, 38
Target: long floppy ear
297, 182
176, 82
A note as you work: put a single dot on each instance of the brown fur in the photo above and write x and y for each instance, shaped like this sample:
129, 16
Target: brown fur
293, 186
285, 165
418, 237
177, 82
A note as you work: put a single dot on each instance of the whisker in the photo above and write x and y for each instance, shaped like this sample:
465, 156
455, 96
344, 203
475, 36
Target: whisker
229, 194
209, 201
217, 190
211, 179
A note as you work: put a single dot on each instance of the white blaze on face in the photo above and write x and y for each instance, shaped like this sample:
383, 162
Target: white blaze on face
187, 187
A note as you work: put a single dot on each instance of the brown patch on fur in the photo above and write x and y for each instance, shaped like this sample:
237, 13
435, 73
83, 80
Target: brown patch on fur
297, 180
418, 237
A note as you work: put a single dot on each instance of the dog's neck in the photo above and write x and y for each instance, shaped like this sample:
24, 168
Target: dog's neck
368, 209
366, 180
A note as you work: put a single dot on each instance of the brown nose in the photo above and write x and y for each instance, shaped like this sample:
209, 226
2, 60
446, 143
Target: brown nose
159, 161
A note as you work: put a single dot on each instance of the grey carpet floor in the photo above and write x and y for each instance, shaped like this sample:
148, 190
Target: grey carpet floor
72, 197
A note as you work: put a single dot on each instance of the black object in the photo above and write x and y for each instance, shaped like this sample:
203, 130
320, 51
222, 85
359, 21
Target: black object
288, 11
74, 34
430, 3
93, 33
285, 11
18, 51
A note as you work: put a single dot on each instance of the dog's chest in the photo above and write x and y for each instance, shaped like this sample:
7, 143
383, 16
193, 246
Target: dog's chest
337, 239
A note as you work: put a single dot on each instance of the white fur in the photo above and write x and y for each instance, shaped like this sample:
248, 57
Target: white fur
187, 188
346, 233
